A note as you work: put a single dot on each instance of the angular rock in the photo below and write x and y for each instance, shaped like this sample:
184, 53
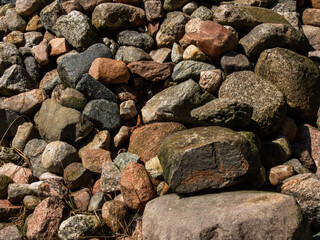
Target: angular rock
104, 114
4, 184
297, 166
8, 210
25, 132
96, 202
19, 175
175, 103
234, 62
313, 35
270, 35
27, 7
10, 121
72, 68
16, 38
138, 195
150, 70
33, 150
153, 10
114, 16
193, 53
131, 54
176, 53
100, 141
53, 188
186, 158
110, 177
34, 24
40, 52
14, 22
128, 110
135, 39
45, 219
253, 215
161, 55
81, 199
171, 5
109, 71
123, 159
269, 105
76, 28
154, 168
16, 192
9, 55
92, 159
223, 112
71, 98
203, 13
33, 68
115, 215
296, 76
58, 46
50, 13
121, 137
70, 125
76, 176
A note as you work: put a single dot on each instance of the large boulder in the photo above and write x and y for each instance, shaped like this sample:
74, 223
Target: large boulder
175, 103
230, 215
296, 76
69, 124
207, 158
269, 104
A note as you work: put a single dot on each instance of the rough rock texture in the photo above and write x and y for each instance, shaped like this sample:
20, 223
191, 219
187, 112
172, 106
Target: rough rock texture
230, 215
207, 157
115, 214
269, 104
296, 76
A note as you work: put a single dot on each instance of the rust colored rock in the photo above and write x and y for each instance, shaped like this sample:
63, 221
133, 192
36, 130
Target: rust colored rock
45, 220
311, 16
315, 4
53, 188
279, 173
25, 103
18, 174
7, 210
212, 38
58, 46
145, 141
81, 199
150, 70
109, 71
40, 52
136, 195
153, 28
92, 159
97, 187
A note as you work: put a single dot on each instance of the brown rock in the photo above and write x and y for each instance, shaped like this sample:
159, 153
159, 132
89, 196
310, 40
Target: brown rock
41, 53
34, 24
16, 38
150, 70
289, 129
136, 195
97, 187
76, 176
115, 214
121, 137
145, 141
311, 16
90, 5
25, 133
81, 199
45, 220
109, 71
212, 38
211, 80
153, 10
279, 173
48, 77
18, 174
70, 5
92, 159
100, 140
53, 188
27, 7
315, 4
58, 46
7, 210
25, 103
130, 2
153, 28
125, 93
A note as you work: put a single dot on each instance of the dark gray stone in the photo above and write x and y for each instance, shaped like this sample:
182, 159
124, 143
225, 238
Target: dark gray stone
71, 68
32, 68
8, 117
14, 22
104, 114
135, 39
9, 55
50, 14
234, 62
33, 150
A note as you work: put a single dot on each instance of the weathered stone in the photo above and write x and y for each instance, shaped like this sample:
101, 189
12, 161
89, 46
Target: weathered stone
115, 16
115, 215
138, 195
50, 13
34, 24
135, 39
101, 140
121, 137
4, 184
18, 174
92, 159
161, 55
110, 177
25, 132
70, 125
297, 166
153, 10
171, 5
8, 210
150, 70
96, 202
76, 28
176, 53
40, 52
90, 5
50, 176
9, 122
71, 98
131, 54
45, 219
279, 173
269, 105
210, 80
289, 129
33, 150
16, 38
72, 68
154, 168
296, 76
27, 7
10, 233
193, 53
32, 68
31, 202
234, 62
81, 199
123, 159
58, 46
185, 156
14, 22
53, 187
76, 176
310, 16
16, 192
128, 110
9, 55
254, 215
313, 35
203, 13
223, 112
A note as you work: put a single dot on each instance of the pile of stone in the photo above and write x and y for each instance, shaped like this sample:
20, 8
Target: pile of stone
159, 119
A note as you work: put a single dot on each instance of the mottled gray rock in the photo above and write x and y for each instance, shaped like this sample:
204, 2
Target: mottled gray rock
124, 158
70, 125
270, 35
135, 39
131, 54
234, 62
203, 13
110, 177
10, 233
16, 80
8, 117
27, 7
207, 158
172, 29
313, 35
187, 69
96, 202
176, 53
58, 155
33, 150
32, 38
269, 104
171, 5
75, 227
190, 7
231, 215
114, 16
32, 68
9, 55
50, 14
223, 112
175, 103
14, 22
16, 192
76, 28
296, 76
72, 68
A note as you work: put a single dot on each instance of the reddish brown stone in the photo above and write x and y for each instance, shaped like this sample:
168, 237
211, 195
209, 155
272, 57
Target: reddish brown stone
16, 38
212, 38
90, 5
58, 46
25, 103
97, 187
53, 188
81, 199
311, 16
71, 5
41, 52
115, 214
150, 70
153, 28
7, 210
136, 195
92, 159
48, 77
109, 71
145, 141
153, 9
18, 174
315, 4
279, 173
45, 220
